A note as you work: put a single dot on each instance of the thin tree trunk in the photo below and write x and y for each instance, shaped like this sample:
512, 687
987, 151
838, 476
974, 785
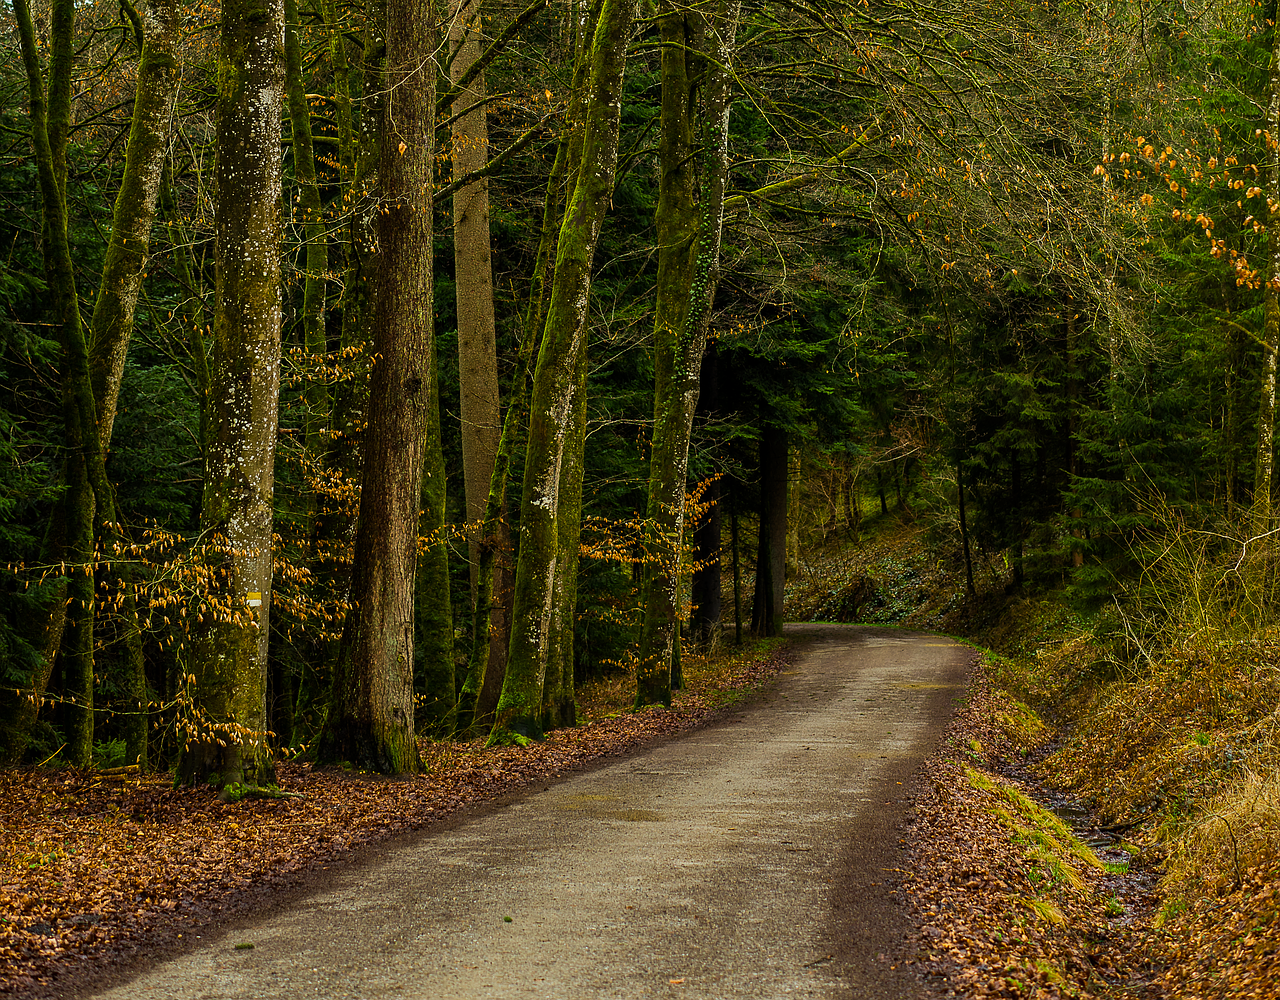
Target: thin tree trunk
706, 535
964, 531
737, 575
159, 71
771, 557
229, 657
371, 715
1262, 483
434, 671
473, 271
686, 292
519, 712
315, 254
70, 542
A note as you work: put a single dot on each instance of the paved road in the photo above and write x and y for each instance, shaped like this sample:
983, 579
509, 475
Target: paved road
750, 859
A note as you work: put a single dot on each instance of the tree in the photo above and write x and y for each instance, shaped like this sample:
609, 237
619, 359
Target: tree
70, 606
229, 656
556, 380
688, 272
371, 715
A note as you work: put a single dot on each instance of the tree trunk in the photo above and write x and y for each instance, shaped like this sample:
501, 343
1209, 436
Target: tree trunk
1262, 483
558, 706
371, 715
737, 575
315, 264
964, 531
490, 639
433, 629
69, 625
229, 657
519, 712
159, 71
707, 598
771, 555
473, 272
686, 290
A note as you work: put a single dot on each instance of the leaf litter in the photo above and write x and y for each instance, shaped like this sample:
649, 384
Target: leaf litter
97, 866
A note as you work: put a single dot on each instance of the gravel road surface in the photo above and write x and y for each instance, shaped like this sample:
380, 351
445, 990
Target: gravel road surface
752, 858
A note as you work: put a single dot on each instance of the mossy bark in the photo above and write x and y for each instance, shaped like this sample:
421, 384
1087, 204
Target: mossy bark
690, 238
1265, 463
229, 656
558, 705
159, 71
69, 630
371, 715
486, 666
519, 711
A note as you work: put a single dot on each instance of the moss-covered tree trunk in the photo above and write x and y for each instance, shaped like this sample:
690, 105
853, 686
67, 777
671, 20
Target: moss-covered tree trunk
371, 714
486, 666
1265, 462
519, 711
67, 629
310, 209
159, 71
690, 239
229, 657
559, 707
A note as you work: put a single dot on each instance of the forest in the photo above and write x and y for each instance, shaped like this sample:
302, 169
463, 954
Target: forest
380, 369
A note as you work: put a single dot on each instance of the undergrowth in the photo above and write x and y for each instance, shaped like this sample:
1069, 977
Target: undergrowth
1179, 744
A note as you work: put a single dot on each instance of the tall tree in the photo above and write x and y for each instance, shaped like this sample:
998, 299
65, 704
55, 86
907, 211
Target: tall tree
111, 329
1262, 488
688, 271
556, 379
371, 715
477, 341
99, 374
70, 539
473, 270
229, 656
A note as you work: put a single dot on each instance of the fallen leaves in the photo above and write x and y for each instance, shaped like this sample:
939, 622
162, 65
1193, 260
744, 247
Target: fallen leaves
1002, 907
94, 868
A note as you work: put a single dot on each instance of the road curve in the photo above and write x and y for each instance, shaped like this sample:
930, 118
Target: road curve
753, 858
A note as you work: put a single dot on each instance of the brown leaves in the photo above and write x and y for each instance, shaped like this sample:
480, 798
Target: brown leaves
94, 868
999, 916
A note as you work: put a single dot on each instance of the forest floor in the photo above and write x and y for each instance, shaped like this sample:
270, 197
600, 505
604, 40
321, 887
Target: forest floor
99, 867
95, 867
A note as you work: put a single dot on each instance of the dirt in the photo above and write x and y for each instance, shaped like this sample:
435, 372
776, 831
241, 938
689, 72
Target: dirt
757, 857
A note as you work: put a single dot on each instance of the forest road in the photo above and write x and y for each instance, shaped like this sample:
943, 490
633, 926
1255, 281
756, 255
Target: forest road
751, 858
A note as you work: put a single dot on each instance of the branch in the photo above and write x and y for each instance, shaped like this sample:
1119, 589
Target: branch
489, 168
769, 191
